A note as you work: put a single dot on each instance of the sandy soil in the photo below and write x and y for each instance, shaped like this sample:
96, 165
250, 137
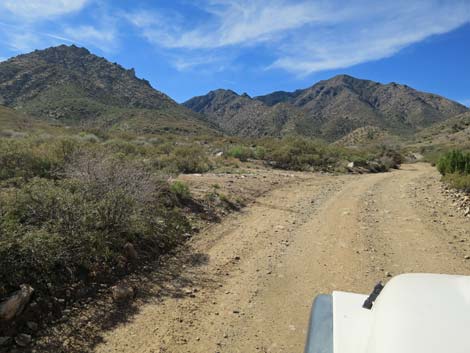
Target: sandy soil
261, 268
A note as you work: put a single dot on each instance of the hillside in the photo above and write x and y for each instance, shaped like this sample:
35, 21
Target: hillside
14, 123
242, 115
330, 109
454, 132
368, 136
71, 85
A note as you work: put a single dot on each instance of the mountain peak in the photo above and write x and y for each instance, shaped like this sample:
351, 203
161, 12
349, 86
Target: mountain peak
329, 109
60, 54
48, 77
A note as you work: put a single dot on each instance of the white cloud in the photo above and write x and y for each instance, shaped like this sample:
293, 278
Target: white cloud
465, 102
104, 38
40, 9
41, 23
306, 36
379, 38
234, 23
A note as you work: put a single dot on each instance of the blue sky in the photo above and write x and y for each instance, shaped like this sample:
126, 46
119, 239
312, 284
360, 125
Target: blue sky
186, 48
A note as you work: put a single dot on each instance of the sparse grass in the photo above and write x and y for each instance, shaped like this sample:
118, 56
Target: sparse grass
458, 181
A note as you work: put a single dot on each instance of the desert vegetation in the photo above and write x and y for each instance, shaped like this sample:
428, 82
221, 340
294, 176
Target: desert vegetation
455, 169
70, 203
69, 207
84, 207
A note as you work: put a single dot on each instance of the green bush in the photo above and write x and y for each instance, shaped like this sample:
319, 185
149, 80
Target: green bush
26, 159
455, 168
300, 154
180, 189
189, 159
242, 153
454, 161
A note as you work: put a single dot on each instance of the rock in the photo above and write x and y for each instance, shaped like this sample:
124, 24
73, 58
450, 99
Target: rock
23, 340
122, 292
388, 274
5, 341
33, 326
467, 257
131, 253
350, 165
14, 305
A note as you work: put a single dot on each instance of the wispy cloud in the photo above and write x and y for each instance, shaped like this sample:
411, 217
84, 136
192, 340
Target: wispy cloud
23, 38
104, 38
36, 24
42, 9
465, 102
305, 36
234, 23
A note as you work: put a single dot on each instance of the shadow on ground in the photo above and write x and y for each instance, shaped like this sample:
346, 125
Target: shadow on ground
81, 330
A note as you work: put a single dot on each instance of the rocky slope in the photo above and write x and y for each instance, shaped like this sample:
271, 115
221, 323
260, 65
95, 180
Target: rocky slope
67, 83
329, 109
242, 115
451, 132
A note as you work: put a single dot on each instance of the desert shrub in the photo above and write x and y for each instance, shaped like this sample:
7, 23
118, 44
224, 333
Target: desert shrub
390, 157
299, 154
26, 159
13, 134
240, 152
89, 137
260, 152
180, 189
120, 146
51, 231
458, 181
189, 159
388, 163
21, 159
454, 161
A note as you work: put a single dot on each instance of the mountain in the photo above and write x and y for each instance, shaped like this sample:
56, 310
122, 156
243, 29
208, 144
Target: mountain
241, 115
71, 85
330, 109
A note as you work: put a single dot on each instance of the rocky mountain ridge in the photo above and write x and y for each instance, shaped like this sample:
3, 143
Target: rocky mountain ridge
330, 109
69, 84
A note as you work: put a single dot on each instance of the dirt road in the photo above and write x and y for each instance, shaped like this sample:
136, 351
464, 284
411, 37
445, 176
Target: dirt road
264, 266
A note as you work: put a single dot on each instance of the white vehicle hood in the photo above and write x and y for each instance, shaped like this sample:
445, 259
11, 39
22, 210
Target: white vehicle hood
415, 313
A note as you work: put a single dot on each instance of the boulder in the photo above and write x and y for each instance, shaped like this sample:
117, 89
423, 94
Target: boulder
23, 340
122, 292
131, 253
33, 326
15, 304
